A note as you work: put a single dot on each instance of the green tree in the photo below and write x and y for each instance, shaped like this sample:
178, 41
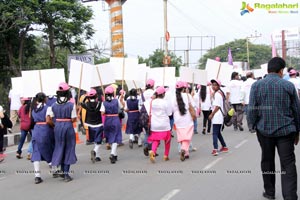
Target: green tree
156, 60
258, 54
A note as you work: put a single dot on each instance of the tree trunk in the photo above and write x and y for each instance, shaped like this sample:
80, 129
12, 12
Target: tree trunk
21, 47
9, 49
52, 46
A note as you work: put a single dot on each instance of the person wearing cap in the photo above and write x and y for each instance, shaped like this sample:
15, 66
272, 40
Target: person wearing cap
64, 114
132, 108
295, 80
94, 122
246, 89
42, 135
183, 119
112, 126
25, 122
205, 97
217, 118
235, 96
5, 123
160, 128
274, 113
146, 97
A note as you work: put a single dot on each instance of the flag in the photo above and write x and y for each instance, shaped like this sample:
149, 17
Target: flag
274, 53
230, 61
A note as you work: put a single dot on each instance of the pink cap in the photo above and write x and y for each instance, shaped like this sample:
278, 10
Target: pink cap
160, 90
91, 93
63, 86
25, 98
198, 86
109, 90
216, 81
150, 82
122, 92
208, 83
179, 84
292, 72
218, 58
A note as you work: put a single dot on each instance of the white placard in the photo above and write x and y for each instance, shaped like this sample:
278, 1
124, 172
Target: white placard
130, 84
213, 69
195, 76
105, 73
120, 65
264, 68
82, 75
17, 85
225, 73
162, 76
46, 81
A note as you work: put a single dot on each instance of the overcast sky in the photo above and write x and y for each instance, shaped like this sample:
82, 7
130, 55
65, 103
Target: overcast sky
144, 26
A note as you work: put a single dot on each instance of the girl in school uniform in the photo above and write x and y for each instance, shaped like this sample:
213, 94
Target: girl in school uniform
93, 120
24, 116
42, 135
64, 113
182, 119
160, 128
112, 126
132, 109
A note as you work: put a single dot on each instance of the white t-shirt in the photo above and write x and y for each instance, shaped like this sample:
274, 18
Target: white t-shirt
160, 112
246, 89
296, 83
206, 105
235, 90
217, 101
183, 121
15, 102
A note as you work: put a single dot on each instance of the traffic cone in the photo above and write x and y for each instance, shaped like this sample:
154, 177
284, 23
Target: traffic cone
78, 141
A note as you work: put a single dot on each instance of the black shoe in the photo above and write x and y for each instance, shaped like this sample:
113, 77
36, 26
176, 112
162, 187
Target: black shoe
241, 128
172, 135
89, 143
182, 155
267, 196
203, 132
57, 174
112, 159
195, 132
121, 144
116, 158
97, 159
136, 139
38, 180
93, 156
187, 157
130, 144
235, 128
67, 178
146, 151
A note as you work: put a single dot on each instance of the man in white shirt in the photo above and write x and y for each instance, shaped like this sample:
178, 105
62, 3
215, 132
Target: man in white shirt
246, 89
294, 80
15, 104
236, 98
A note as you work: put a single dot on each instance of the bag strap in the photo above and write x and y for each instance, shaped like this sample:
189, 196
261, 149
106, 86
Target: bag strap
143, 98
223, 97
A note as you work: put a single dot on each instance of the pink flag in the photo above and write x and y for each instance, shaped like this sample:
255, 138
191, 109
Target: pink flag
274, 53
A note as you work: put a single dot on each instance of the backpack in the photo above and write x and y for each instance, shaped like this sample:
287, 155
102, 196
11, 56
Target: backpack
227, 111
144, 117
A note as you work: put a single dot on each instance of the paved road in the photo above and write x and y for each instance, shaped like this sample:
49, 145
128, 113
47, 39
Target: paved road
234, 175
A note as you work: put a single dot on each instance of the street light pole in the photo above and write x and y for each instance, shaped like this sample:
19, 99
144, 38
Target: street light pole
248, 53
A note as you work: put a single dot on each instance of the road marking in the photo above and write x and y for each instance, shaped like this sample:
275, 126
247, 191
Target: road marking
171, 194
240, 144
2, 178
212, 163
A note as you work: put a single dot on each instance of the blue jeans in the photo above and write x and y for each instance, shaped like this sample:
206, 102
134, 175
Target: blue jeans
22, 140
29, 150
195, 125
217, 135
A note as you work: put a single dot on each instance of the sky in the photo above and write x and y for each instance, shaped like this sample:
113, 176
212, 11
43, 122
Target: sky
143, 22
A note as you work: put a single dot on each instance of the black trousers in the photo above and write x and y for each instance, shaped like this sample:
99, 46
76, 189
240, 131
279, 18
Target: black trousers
285, 148
206, 114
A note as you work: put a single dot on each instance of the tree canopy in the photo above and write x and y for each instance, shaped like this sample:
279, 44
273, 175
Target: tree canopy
258, 54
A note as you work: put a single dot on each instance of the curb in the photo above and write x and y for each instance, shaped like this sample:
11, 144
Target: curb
14, 139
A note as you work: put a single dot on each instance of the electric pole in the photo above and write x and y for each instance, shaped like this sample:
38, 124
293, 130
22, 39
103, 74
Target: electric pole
247, 40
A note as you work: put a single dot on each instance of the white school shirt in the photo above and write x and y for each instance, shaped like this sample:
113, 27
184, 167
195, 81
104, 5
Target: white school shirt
217, 101
206, 105
160, 112
246, 89
235, 90
183, 121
